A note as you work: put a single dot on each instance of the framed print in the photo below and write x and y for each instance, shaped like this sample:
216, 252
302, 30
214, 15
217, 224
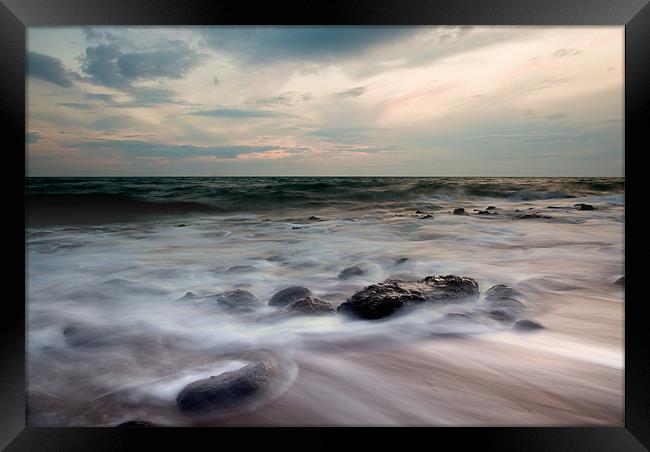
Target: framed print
399, 215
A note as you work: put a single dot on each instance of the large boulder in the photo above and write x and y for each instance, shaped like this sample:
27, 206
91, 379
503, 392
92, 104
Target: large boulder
228, 390
383, 299
351, 272
311, 305
289, 295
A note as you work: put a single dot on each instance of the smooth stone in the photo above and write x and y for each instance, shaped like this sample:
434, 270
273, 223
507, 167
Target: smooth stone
527, 325
501, 291
241, 269
491, 208
182, 225
237, 298
310, 305
351, 272
136, 424
228, 390
459, 211
385, 298
500, 316
289, 295
584, 206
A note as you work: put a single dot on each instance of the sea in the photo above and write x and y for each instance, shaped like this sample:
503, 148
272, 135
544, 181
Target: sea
111, 259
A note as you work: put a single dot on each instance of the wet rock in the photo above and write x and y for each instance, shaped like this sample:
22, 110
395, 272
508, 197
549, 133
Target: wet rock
351, 272
457, 316
501, 291
234, 299
621, 281
228, 390
527, 325
401, 260
483, 212
242, 269
188, 296
383, 299
459, 211
289, 295
531, 216
418, 212
553, 207
582, 206
297, 227
426, 217
491, 208
311, 305
500, 316
504, 298
136, 424
182, 225
313, 218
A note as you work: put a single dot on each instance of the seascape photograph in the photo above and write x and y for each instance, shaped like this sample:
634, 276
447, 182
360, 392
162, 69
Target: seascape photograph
325, 226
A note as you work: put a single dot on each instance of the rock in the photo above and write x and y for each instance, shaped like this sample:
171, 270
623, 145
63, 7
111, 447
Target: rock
553, 207
237, 298
401, 260
419, 212
182, 225
491, 208
584, 206
136, 424
425, 217
313, 218
457, 316
500, 316
459, 211
621, 281
309, 305
188, 296
483, 212
242, 269
501, 291
527, 325
79, 335
289, 295
297, 227
504, 298
530, 216
383, 299
228, 390
350, 272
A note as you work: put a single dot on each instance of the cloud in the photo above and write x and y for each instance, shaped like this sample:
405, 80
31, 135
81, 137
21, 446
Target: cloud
238, 113
32, 137
50, 69
352, 92
139, 148
346, 134
106, 98
287, 99
108, 65
260, 45
563, 53
77, 105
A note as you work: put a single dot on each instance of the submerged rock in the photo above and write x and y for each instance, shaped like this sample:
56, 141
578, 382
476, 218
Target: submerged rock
383, 299
527, 325
236, 299
459, 211
227, 390
503, 297
289, 295
310, 305
351, 272
491, 208
620, 281
242, 269
530, 216
136, 424
426, 217
401, 260
188, 296
501, 291
500, 316
582, 206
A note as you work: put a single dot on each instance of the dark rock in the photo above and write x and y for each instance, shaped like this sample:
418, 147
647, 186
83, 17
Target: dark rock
553, 207
483, 212
530, 216
459, 211
527, 325
313, 218
188, 296
501, 291
289, 295
237, 298
136, 424
584, 206
425, 217
491, 208
297, 227
309, 305
242, 269
182, 225
419, 212
401, 260
383, 299
500, 316
351, 272
227, 390
621, 281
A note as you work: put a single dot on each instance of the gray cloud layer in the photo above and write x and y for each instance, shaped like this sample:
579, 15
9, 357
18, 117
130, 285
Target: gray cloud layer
49, 69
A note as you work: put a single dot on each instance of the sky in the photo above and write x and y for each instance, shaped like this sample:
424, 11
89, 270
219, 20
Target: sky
316, 101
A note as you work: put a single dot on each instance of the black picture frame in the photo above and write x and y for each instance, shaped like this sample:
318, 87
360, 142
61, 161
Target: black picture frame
16, 15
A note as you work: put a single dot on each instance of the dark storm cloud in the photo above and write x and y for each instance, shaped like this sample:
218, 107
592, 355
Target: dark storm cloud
50, 69
264, 44
238, 113
352, 92
109, 65
138, 148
